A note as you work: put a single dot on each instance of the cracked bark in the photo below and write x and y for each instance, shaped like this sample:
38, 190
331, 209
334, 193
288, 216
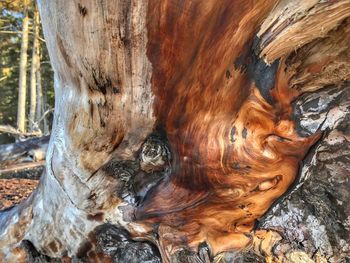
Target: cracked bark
181, 143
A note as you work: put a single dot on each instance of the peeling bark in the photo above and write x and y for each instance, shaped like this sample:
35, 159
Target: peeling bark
171, 142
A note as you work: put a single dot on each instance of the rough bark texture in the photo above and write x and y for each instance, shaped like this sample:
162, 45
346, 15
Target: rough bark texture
179, 124
314, 218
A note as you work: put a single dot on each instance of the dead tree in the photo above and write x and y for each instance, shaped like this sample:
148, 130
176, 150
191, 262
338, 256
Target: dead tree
16, 150
179, 124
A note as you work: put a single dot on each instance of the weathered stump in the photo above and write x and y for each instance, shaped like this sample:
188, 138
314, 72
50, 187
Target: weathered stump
179, 124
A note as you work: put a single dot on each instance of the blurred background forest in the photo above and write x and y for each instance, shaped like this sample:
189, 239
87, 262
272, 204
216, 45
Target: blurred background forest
27, 100
26, 77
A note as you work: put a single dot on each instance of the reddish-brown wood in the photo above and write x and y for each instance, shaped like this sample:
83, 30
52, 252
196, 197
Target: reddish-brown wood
175, 121
235, 154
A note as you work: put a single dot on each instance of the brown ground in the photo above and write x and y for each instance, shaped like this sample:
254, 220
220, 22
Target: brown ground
13, 191
17, 185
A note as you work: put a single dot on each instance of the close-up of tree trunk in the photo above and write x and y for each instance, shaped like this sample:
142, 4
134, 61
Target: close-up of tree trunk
192, 131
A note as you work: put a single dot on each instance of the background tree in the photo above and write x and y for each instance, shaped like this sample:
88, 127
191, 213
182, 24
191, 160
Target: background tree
22, 89
35, 67
10, 53
10, 35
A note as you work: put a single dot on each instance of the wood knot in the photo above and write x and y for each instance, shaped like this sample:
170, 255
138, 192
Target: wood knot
82, 10
266, 185
154, 155
122, 170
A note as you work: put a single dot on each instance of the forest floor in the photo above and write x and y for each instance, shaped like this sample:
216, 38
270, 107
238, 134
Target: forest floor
13, 191
15, 187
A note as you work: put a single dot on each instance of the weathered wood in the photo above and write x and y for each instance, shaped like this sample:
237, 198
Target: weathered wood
11, 130
180, 123
314, 219
20, 167
13, 151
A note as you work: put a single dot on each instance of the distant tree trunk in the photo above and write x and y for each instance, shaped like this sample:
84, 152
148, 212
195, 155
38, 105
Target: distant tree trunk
34, 96
22, 88
39, 103
44, 109
192, 131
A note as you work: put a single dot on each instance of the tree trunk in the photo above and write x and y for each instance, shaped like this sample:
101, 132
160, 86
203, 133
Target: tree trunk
22, 89
192, 131
34, 73
44, 108
39, 96
46, 126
